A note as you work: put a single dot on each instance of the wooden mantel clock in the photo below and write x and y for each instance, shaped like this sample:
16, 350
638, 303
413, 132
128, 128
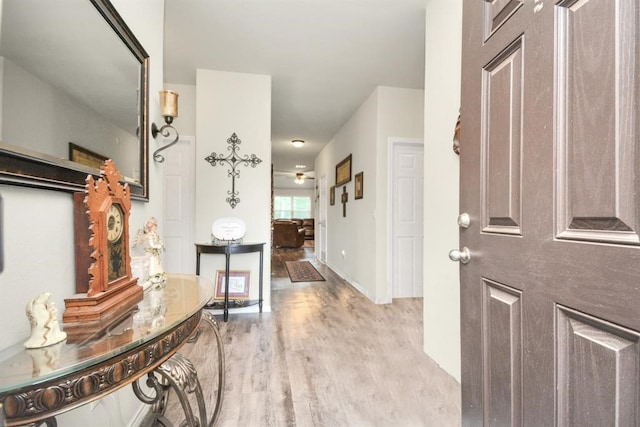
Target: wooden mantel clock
104, 284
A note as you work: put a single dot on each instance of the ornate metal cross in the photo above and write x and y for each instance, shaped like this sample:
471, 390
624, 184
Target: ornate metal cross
345, 199
233, 159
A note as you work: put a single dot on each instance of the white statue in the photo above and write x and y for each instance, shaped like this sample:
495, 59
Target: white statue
149, 239
43, 316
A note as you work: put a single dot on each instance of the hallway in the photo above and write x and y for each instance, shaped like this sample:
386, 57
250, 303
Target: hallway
327, 356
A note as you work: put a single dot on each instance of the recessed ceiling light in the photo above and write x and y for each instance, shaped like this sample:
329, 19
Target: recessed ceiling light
301, 166
297, 143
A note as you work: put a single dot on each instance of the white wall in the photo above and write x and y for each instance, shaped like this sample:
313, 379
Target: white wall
228, 103
38, 231
387, 112
441, 167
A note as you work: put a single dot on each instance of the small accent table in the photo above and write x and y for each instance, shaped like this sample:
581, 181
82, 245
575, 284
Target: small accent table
228, 250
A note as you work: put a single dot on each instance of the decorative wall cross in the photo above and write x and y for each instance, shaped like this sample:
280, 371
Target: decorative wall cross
233, 159
344, 199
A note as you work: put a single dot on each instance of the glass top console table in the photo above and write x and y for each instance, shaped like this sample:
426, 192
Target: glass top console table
228, 250
38, 384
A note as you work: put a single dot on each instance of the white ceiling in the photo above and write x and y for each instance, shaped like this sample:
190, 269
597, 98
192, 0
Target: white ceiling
325, 57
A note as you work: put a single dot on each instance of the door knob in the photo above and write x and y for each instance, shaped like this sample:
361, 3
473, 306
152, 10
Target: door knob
464, 220
463, 255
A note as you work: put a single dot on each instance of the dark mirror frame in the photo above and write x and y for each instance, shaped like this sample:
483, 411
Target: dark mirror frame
26, 168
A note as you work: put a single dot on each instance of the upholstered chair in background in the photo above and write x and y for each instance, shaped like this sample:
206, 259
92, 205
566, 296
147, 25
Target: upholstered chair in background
287, 234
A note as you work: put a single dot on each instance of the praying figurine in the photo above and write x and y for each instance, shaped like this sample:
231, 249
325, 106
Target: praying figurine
43, 317
149, 239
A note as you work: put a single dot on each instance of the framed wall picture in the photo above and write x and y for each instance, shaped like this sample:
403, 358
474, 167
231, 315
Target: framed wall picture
85, 157
238, 284
332, 195
343, 171
359, 177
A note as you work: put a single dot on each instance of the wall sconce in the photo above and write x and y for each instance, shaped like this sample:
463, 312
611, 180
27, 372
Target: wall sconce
168, 110
297, 143
299, 178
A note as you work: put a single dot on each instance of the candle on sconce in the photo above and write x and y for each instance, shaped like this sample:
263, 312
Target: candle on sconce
168, 111
168, 103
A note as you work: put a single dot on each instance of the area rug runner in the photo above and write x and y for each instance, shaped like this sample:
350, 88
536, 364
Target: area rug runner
303, 271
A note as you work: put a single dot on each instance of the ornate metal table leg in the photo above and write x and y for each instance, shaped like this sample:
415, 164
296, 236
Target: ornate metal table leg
49, 422
220, 393
179, 374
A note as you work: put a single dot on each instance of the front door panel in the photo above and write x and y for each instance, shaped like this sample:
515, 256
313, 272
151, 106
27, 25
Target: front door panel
596, 60
549, 175
502, 141
597, 371
502, 354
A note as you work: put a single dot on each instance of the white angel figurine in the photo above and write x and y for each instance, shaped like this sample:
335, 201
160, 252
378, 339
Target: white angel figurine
149, 239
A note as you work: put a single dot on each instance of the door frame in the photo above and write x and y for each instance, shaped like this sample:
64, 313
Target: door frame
392, 142
321, 223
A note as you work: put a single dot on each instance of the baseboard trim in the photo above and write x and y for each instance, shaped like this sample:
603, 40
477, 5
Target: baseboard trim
353, 283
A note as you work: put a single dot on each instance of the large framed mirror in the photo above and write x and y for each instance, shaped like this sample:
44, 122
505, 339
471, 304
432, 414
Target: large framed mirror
74, 87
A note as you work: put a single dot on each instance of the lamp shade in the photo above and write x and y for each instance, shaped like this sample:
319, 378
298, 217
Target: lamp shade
168, 103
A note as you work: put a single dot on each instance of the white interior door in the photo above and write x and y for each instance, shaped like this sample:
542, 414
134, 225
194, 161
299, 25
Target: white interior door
407, 175
179, 187
321, 239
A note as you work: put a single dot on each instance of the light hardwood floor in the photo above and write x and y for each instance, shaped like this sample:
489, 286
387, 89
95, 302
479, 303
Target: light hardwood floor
327, 356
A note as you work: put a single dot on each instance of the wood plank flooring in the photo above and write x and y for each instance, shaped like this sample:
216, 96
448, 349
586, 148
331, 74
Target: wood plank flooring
326, 356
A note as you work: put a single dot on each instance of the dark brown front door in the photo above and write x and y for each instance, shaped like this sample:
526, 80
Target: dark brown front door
550, 298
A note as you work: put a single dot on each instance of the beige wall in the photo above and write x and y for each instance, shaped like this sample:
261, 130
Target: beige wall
362, 234
228, 103
441, 167
400, 116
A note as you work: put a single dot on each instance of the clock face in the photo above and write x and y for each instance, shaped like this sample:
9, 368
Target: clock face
115, 223
115, 243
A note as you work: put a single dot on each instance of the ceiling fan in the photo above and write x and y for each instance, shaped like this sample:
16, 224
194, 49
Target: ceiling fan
298, 176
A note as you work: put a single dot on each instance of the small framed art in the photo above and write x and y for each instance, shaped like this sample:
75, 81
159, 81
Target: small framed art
359, 177
85, 157
343, 171
332, 195
238, 284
